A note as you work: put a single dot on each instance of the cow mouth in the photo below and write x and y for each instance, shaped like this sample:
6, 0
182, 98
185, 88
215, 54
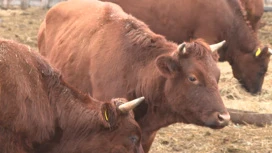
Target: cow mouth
210, 122
253, 91
218, 120
217, 127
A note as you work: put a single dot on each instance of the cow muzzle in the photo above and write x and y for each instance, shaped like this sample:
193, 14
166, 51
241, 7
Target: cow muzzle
219, 120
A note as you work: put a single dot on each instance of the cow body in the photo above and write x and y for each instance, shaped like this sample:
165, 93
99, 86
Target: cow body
101, 48
40, 113
254, 12
214, 21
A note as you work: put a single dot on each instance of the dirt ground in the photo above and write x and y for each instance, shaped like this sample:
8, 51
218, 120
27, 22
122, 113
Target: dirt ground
182, 138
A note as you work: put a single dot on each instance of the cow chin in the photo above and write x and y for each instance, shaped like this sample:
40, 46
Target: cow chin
118, 149
253, 90
213, 126
211, 121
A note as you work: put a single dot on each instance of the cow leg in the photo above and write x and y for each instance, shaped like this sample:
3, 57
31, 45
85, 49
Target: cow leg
147, 140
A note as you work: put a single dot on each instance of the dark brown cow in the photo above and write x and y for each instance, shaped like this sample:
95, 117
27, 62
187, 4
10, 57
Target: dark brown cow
254, 11
105, 52
40, 113
213, 21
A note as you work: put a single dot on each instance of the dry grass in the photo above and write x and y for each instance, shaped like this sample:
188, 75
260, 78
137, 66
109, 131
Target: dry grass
232, 139
21, 26
180, 138
236, 97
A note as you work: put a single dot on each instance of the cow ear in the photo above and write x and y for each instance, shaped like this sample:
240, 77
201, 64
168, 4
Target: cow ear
215, 56
264, 53
167, 66
109, 114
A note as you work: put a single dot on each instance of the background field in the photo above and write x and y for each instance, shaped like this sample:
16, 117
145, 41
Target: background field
181, 138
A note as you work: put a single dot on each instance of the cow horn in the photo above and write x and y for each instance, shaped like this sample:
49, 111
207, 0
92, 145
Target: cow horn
130, 105
270, 50
215, 47
182, 48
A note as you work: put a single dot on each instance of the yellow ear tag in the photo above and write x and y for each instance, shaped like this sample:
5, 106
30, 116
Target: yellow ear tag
106, 115
258, 52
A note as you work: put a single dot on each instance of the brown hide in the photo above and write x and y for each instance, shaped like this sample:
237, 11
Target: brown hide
214, 21
40, 113
105, 52
254, 11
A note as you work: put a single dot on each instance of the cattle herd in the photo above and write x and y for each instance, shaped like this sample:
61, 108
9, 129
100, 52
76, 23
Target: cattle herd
109, 74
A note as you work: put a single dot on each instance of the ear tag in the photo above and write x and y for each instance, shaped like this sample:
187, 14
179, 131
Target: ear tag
258, 52
106, 116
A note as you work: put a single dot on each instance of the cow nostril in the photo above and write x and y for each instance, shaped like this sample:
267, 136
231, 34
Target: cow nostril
224, 117
219, 120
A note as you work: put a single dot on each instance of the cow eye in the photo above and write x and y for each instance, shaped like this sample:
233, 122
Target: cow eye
134, 139
192, 78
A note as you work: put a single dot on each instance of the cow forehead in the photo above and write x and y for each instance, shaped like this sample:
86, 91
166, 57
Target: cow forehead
200, 60
205, 67
130, 123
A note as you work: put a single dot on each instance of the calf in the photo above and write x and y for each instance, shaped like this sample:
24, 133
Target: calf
40, 113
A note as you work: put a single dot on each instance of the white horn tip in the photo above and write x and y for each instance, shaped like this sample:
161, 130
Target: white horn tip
182, 48
141, 98
215, 47
223, 42
270, 50
130, 104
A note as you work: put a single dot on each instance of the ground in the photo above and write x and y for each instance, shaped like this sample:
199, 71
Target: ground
182, 138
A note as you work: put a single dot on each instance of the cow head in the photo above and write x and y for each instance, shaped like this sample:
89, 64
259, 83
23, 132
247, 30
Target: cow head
119, 132
191, 85
251, 68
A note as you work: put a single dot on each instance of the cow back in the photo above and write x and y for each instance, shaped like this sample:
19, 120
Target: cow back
213, 21
104, 36
25, 107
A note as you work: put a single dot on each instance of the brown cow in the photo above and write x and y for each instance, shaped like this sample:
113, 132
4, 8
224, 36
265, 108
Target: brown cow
105, 52
213, 21
40, 113
254, 11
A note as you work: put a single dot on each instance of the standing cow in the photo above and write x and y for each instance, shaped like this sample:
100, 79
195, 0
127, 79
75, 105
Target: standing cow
103, 51
212, 20
40, 113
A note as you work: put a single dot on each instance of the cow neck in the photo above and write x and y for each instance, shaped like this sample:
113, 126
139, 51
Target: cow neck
73, 108
242, 37
76, 118
150, 82
151, 115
